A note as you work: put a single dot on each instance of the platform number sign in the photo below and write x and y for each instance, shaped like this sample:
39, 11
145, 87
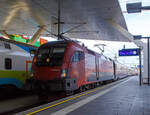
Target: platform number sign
129, 52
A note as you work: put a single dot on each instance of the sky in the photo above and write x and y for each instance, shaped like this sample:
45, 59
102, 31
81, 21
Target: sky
140, 21
137, 24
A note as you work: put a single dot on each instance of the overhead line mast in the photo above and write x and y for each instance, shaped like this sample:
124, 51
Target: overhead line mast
59, 13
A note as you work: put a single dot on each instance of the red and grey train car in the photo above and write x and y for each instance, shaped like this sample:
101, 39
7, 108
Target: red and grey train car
68, 66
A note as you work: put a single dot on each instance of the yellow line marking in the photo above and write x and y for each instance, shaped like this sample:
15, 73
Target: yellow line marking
63, 101
34, 112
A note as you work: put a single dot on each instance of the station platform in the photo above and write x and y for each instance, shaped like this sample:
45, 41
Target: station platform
124, 97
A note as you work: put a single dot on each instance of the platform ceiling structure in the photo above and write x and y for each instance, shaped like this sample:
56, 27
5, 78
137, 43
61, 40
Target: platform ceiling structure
85, 19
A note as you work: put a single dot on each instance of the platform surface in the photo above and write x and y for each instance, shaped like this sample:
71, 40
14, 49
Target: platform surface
123, 97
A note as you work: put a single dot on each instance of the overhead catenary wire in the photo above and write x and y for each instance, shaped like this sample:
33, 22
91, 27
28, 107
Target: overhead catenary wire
111, 53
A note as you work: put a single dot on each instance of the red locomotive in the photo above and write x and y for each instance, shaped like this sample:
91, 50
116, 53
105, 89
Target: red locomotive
68, 66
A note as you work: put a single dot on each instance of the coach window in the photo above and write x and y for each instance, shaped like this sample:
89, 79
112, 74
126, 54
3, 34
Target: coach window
81, 55
8, 63
75, 57
7, 46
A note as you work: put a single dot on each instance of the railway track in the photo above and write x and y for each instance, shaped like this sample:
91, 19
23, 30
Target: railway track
13, 105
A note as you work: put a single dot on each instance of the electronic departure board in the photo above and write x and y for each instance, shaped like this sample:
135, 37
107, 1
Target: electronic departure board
129, 52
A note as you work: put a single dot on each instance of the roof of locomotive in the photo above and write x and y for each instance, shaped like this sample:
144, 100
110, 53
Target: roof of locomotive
65, 42
57, 43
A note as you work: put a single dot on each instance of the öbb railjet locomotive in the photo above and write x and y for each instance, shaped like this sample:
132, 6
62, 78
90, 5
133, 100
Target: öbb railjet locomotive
68, 66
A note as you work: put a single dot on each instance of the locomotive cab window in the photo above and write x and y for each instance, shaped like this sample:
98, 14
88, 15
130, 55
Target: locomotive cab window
51, 56
79, 55
8, 63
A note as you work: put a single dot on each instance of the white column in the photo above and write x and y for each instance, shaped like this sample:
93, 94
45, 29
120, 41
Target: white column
5, 34
37, 35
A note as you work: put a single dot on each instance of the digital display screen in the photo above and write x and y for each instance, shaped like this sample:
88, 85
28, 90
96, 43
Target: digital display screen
129, 52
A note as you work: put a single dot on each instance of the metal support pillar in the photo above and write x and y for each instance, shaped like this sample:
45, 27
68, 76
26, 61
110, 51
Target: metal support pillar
140, 75
59, 19
148, 60
37, 35
5, 34
135, 8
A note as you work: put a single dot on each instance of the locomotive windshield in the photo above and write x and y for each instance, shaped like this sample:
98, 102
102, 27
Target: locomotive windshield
51, 56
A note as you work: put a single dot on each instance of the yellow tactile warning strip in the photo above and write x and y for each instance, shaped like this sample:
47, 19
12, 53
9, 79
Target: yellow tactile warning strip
64, 101
72, 98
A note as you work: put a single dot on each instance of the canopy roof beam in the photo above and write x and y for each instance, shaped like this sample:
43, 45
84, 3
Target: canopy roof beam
124, 32
5, 34
37, 35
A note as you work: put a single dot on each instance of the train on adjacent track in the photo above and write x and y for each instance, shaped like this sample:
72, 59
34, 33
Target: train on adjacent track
68, 66
13, 59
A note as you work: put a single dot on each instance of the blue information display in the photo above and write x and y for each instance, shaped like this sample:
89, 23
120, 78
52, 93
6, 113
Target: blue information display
129, 52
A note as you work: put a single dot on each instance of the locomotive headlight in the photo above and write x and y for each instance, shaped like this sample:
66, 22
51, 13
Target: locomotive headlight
48, 60
32, 73
34, 60
64, 73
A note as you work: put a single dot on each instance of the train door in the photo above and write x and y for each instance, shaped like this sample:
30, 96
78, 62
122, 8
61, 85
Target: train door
1, 62
97, 67
114, 68
77, 67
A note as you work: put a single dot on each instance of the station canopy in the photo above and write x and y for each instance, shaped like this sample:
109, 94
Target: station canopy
80, 19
